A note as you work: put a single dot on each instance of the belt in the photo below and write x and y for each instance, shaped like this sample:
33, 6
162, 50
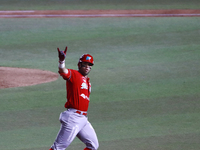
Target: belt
81, 113
77, 111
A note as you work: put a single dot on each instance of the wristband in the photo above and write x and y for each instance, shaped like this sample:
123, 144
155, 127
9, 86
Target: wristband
61, 64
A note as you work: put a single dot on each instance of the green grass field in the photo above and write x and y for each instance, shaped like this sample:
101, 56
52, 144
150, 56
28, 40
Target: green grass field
145, 81
97, 4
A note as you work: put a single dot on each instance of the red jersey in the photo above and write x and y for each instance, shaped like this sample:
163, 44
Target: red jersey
78, 90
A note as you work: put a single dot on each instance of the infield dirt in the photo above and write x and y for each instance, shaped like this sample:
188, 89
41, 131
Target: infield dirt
15, 77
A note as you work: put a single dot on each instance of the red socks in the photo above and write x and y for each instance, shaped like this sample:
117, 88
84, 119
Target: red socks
87, 148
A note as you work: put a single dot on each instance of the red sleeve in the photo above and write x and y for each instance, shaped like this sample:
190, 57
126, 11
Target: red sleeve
66, 76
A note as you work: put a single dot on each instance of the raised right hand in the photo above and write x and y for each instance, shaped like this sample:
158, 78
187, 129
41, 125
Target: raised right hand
62, 54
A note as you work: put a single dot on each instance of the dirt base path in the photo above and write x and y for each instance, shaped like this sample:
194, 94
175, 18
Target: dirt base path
99, 13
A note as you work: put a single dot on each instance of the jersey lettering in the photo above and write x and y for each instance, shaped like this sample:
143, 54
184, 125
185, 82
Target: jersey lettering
85, 97
84, 86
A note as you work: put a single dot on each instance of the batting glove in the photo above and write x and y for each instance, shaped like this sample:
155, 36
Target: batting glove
62, 54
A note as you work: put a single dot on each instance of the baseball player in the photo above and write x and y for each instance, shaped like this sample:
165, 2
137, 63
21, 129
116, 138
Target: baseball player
74, 121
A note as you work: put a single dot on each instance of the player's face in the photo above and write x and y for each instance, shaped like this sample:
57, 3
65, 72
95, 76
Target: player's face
84, 68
